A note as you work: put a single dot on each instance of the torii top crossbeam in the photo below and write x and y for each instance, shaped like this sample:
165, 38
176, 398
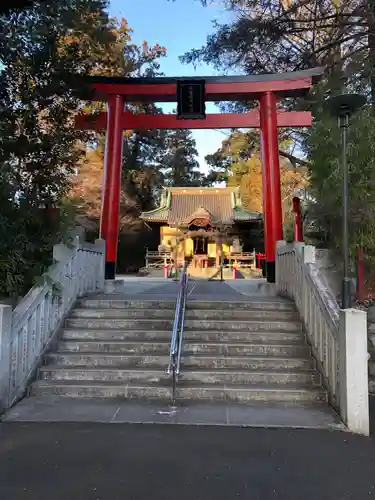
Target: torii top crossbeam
218, 88
227, 88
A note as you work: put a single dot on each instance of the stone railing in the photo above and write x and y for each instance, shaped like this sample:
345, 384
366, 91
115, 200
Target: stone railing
338, 338
28, 330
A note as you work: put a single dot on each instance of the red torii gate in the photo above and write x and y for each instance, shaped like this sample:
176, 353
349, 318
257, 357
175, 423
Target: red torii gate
267, 89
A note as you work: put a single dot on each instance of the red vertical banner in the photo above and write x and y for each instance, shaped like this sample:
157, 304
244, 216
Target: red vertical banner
361, 287
298, 224
110, 214
272, 209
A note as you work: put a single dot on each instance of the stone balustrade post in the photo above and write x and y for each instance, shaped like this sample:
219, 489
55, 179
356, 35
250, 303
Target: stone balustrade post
308, 252
353, 371
100, 279
278, 270
61, 252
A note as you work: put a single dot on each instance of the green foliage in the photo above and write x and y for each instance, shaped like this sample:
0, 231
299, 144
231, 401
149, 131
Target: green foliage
292, 35
289, 231
29, 234
180, 166
39, 146
232, 156
142, 177
143, 150
325, 152
238, 163
155, 158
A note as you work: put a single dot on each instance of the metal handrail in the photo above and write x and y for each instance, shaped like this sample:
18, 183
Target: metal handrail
178, 327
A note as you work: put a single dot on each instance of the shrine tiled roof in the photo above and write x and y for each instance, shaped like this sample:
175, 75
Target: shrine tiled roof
181, 205
199, 215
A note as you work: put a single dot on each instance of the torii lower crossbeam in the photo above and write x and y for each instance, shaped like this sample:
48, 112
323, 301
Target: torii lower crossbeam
251, 119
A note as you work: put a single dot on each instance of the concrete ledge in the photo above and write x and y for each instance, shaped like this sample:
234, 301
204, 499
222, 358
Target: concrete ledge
253, 287
132, 283
277, 415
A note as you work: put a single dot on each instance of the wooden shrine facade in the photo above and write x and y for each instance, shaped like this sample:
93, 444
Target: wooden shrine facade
204, 225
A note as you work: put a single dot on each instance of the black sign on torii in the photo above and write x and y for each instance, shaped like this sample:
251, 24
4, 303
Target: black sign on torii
191, 99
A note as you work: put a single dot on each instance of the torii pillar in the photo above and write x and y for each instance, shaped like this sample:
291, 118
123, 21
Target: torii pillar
110, 210
272, 208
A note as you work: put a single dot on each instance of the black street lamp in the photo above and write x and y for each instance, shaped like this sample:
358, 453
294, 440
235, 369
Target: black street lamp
343, 106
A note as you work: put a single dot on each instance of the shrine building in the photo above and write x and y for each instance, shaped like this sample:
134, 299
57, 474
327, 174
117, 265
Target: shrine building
204, 225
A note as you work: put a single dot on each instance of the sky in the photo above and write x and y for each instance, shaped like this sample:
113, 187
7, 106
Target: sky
178, 25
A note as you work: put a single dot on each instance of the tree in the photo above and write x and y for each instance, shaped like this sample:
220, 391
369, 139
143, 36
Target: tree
8, 7
142, 149
180, 165
143, 152
39, 146
238, 163
86, 186
142, 163
275, 36
325, 207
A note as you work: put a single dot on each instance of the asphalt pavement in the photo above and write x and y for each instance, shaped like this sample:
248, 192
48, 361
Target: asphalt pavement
61, 461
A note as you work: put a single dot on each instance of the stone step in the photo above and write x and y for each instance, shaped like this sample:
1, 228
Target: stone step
250, 377
164, 324
115, 335
207, 377
126, 324
102, 374
245, 349
215, 348
189, 335
125, 360
232, 348
158, 361
193, 314
254, 305
130, 346
148, 314
241, 314
103, 303
240, 394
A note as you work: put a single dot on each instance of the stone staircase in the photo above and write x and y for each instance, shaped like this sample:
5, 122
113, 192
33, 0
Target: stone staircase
232, 351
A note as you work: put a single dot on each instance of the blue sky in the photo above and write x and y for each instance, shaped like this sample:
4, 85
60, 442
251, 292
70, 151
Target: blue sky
179, 26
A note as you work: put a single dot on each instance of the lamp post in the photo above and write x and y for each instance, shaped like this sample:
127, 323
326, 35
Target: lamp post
343, 106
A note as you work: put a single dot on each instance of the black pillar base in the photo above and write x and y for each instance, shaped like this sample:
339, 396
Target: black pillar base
346, 293
263, 268
110, 270
270, 272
